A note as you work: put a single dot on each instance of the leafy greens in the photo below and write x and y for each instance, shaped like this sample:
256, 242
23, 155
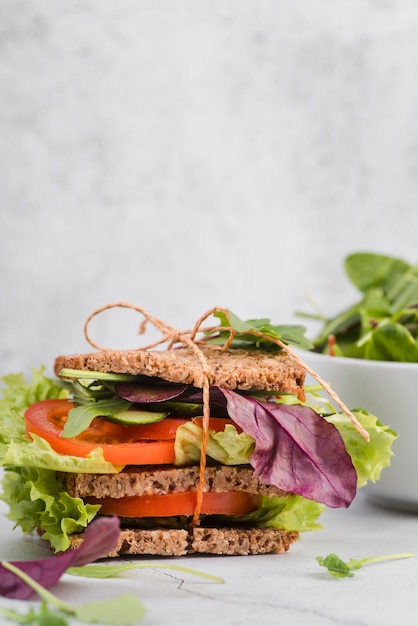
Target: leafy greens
36, 500
257, 333
383, 324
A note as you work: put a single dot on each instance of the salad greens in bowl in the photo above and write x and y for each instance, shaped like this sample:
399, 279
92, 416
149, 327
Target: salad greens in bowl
369, 355
383, 324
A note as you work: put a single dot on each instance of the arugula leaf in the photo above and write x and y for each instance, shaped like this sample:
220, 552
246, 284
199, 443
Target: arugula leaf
258, 333
343, 569
336, 566
82, 416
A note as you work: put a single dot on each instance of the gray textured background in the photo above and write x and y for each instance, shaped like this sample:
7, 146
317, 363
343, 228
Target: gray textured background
185, 154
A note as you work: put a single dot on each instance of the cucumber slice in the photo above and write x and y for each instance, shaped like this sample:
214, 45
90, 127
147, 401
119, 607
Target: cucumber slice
134, 417
184, 409
109, 376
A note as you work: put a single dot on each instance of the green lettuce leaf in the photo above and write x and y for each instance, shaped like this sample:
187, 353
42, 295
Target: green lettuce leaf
16, 396
228, 447
36, 499
38, 453
290, 513
369, 458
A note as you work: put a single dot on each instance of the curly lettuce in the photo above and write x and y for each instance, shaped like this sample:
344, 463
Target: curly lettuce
289, 513
37, 500
370, 458
30, 486
17, 395
227, 447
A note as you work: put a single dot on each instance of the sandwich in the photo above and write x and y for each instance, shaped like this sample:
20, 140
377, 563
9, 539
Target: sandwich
208, 446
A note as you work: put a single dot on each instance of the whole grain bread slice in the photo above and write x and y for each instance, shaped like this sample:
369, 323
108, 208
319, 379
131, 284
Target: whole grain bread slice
159, 480
240, 541
180, 542
230, 369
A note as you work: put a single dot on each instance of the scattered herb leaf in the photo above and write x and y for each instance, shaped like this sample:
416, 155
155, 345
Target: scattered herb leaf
44, 617
111, 571
343, 569
119, 611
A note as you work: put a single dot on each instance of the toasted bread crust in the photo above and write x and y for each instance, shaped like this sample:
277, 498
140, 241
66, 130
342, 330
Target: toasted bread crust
177, 542
159, 480
230, 369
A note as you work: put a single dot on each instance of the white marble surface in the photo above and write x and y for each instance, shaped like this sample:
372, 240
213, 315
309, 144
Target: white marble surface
182, 154
286, 589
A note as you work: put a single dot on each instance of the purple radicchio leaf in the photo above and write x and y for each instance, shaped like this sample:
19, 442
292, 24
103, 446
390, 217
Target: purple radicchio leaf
141, 393
194, 394
296, 449
100, 538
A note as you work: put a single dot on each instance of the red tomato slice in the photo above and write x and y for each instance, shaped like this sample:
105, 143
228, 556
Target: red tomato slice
217, 423
147, 444
227, 503
121, 445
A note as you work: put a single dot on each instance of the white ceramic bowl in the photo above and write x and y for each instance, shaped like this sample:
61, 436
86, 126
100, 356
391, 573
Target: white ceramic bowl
389, 391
